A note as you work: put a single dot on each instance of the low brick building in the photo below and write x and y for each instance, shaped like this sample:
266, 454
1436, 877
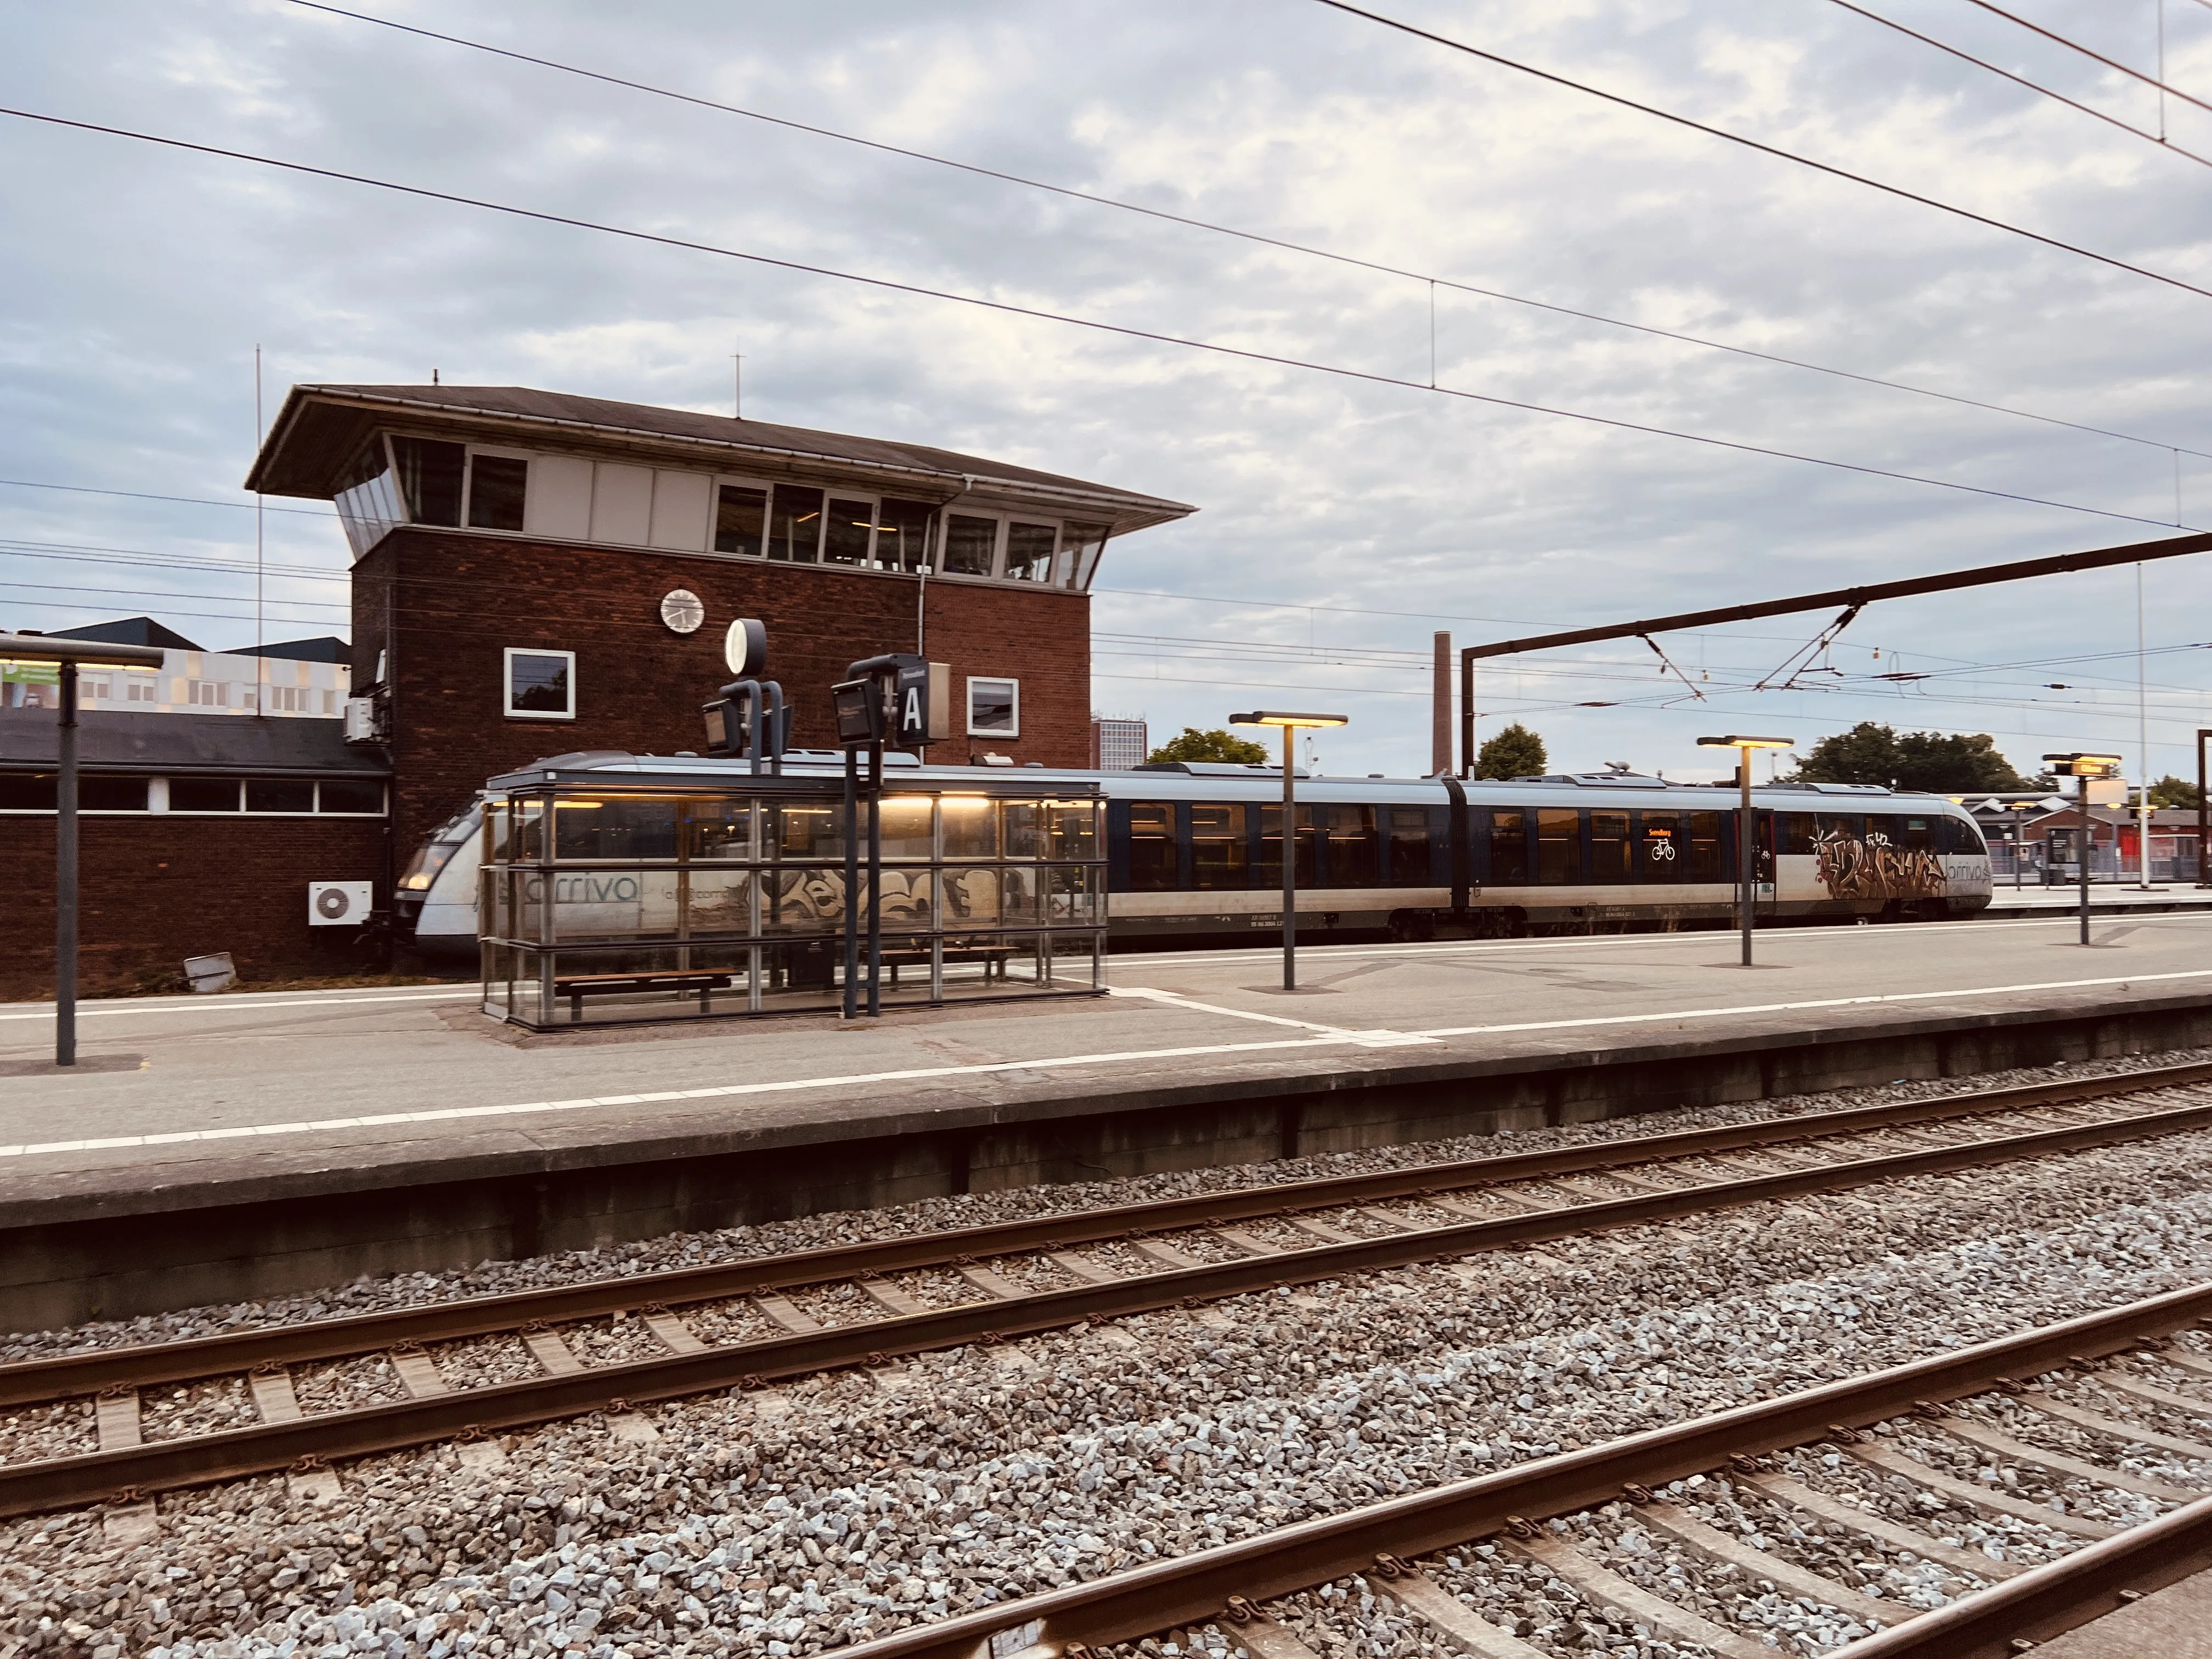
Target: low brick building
196, 834
538, 573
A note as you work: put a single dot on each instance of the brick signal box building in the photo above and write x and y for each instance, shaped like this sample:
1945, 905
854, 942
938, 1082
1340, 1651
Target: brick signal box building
537, 573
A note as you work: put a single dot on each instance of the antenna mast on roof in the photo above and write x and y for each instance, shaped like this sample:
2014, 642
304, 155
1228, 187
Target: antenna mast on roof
737, 384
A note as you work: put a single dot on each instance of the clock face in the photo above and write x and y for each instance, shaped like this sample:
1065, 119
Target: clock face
683, 612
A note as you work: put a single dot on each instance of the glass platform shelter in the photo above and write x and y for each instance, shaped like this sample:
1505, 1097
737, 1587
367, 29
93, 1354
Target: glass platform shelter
613, 894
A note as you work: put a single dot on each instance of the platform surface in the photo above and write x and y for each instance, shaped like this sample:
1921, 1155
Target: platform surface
179, 1090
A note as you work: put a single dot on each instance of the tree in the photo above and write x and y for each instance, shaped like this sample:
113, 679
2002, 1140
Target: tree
1942, 762
1215, 745
2170, 791
1515, 752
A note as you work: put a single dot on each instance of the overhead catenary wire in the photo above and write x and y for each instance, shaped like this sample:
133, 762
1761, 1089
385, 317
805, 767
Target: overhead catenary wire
2098, 57
1261, 239
1003, 307
1724, 134
2023, 81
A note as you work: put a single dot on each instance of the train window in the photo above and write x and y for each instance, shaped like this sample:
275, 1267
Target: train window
1840, 826
1705, 862
1509, 847
1800, 832
1558, 845
1271, 848
1609, 847
1219, 855
971, 827
1354, 849
279, 795
1152, 847
1957, 835
1409, 846
1660, 854
1917, 835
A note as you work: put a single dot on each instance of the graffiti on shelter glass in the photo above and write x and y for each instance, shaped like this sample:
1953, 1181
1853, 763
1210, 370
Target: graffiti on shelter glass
1876, 868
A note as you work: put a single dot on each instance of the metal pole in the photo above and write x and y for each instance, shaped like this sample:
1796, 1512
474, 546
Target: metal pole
875, 877
1290, 865
2203, 874
2083, 847
1747, 856
65, 877
851, 880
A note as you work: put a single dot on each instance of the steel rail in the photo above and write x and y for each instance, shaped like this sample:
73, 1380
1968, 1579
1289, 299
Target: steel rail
29, 1382
1203, 1587
2054, 1598
67, 1482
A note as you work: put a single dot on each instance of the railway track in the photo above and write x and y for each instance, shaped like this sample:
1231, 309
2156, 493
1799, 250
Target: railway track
1256, 1595
607, 1343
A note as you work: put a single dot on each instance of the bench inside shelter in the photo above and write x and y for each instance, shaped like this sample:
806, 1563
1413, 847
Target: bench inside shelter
577, 986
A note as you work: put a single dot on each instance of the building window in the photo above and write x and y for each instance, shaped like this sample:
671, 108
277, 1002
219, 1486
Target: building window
36, 791
1082, 543
349, 795
430, 479
541, 685
279, 795
497, 484
140, 690
204, 794
795, 525
1029, 551
208, 694
971, 544
845, 539
995, 708
740, 520
902, 534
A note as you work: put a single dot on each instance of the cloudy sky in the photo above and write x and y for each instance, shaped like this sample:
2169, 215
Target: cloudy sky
1344, 520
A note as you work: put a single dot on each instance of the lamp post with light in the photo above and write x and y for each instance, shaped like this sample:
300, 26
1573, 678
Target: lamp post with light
68, 654
2083, 768
1292, 725
1746, 855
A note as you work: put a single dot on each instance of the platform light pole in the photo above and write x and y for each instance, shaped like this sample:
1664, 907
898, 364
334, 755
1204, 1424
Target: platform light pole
1292, 725
68, 654
2203, 867
1747, 855
2082, 768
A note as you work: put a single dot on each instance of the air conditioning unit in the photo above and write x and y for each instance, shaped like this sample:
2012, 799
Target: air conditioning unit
339, 903
360, 722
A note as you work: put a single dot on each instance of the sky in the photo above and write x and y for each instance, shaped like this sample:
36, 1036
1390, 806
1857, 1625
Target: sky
1344, 520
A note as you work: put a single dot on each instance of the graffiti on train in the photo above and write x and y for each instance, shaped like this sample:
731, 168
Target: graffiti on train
1876, 868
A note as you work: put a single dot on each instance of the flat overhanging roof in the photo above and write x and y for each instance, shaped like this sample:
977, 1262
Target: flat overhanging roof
321, 429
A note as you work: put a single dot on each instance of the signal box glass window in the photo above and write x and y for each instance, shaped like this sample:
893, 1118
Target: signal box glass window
740, 520
970, 543
1029, 551
541, 685
845, 540
430, 479
1152, 847
204, 794
794, 524
995, 708
497, 486
1083, 544
902, 534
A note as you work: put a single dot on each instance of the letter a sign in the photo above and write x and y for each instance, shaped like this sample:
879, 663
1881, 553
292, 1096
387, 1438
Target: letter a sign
922, 703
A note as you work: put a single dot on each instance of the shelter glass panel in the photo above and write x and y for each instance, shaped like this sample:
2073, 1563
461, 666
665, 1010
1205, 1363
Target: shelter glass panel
971, 827
806, 832
1609, 846
909, 827
1152, 847
971, 897
716, 829
626, 827
1073, 895
1559, 846
1072, 827
1022, 824
740, 520
1220, 853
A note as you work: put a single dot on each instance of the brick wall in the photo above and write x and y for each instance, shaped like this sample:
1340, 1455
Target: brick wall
155, 888
446, 604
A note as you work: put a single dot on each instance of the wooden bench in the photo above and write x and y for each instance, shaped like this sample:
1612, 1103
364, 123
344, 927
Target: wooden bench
993, 961
577, 986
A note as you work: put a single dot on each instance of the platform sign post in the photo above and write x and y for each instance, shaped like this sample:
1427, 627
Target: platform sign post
1292, 725
2204, 866
2082, 768
1747, 850
68, 654
2018, 824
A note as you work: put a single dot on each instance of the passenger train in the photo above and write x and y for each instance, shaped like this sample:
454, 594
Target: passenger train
1194, 853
